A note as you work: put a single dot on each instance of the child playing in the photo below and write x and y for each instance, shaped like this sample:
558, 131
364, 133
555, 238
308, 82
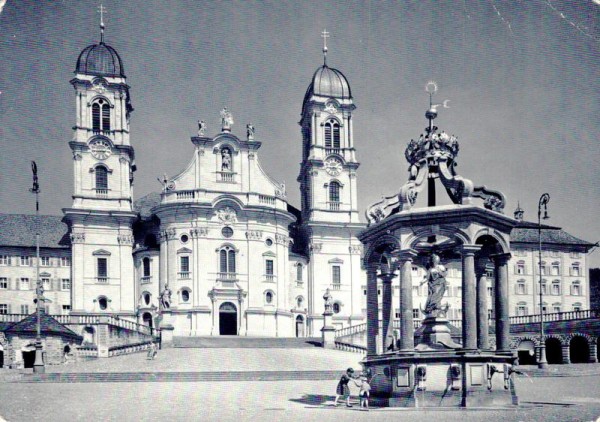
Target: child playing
342, 388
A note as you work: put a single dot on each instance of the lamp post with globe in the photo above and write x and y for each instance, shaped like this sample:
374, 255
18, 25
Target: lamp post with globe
543, 203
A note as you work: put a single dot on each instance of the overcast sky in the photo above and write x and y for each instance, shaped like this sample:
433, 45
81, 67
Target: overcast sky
522, 76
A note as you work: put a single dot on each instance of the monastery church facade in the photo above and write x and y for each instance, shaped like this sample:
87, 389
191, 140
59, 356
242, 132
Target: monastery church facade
219, 251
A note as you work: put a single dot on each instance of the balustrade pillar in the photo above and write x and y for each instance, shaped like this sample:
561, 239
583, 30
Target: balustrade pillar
372, 310
388, 312
407, 327
483, 328
501, 301
469, 297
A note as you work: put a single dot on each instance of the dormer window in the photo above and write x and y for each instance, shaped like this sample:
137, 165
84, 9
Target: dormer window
100, 116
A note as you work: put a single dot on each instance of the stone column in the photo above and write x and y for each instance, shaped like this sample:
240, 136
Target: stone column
501, 302
407, 326
593, 352
469, 297
388, 312
372, 310
482, 306
566, 354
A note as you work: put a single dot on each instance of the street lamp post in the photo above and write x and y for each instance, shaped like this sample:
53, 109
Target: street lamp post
543, 203
38, 365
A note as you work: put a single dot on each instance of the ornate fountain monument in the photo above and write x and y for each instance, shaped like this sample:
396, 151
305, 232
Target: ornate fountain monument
438, 371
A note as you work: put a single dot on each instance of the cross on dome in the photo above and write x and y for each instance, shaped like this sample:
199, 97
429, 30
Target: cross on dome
325, 35
101, 9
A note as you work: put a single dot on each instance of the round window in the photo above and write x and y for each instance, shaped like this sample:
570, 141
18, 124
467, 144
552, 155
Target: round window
269, 242
184, 238
227, 232
147, 298
185, 295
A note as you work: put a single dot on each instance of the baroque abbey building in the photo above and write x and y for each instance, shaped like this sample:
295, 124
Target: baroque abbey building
219, 250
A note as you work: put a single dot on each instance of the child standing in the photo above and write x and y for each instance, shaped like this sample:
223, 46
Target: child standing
365, 392
342, 388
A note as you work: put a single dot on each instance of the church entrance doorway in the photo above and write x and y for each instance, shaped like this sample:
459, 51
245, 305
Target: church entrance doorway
228, 319
147, 318
28, 353
299, 326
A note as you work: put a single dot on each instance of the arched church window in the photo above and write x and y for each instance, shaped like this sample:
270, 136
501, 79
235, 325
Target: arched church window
185, 296
101, 173
299, 272
269, 297
227, 260
100, 116
334, 192
332, 134
146, 267
102, 303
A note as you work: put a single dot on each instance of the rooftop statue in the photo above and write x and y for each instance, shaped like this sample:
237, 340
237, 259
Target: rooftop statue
226, 120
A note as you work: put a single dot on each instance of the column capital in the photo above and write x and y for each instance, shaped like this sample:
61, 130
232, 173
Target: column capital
387, 278
501, 258
469, 249
405, 255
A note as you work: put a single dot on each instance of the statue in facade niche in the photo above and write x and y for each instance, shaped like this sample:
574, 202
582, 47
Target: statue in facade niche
436, 287
165, 298
225, 160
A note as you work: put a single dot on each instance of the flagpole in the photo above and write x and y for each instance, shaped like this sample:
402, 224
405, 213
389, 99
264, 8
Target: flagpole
38, 365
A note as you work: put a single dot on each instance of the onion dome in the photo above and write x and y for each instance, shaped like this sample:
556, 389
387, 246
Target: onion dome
100, 60
329, 82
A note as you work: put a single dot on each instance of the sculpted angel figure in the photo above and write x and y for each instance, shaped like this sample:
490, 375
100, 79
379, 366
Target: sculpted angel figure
201, 127
436, 286
226, 119
250, 130
165, 298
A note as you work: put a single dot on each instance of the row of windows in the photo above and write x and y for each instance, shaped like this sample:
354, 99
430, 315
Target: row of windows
552, 269
27, 261
556, 290
5, 308
522, 309
25, 283
552, 254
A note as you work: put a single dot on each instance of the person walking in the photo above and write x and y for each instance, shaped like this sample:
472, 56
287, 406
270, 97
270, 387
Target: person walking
343, 389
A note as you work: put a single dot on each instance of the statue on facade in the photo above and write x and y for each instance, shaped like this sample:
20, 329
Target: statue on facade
250, 131
225, 160
226, 120
436, 287
165, 298
327, 299
201, 127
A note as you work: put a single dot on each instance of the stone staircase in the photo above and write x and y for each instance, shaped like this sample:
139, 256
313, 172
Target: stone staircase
236, 342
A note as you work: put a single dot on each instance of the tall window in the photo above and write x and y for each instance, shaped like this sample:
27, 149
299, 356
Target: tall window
521, 288
184, 266
544, 287
269, 268
25, 309
332, 134
146, 267
102, 268
100, 116
227, 260
4, 260
46, 283
555, 269
334, 192
45, 261
3, 308
556, 288
65, 261
521, 309
24, 283
520, 268
576, 289
101, 177
336, 275
299, 272
65, 284
25, 261
543, 270
3, 283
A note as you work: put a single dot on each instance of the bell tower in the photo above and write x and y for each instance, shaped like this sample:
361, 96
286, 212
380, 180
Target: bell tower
103, 163
327, 178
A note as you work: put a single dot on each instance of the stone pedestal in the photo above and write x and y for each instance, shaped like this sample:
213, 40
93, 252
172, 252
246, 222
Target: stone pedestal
436, 335
166, 336
328, 331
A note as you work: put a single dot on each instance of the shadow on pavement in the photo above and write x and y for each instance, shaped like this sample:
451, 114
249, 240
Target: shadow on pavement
314, 399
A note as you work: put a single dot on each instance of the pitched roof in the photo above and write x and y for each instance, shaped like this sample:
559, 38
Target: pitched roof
20, 229
48, 325
146, 203
527, 232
